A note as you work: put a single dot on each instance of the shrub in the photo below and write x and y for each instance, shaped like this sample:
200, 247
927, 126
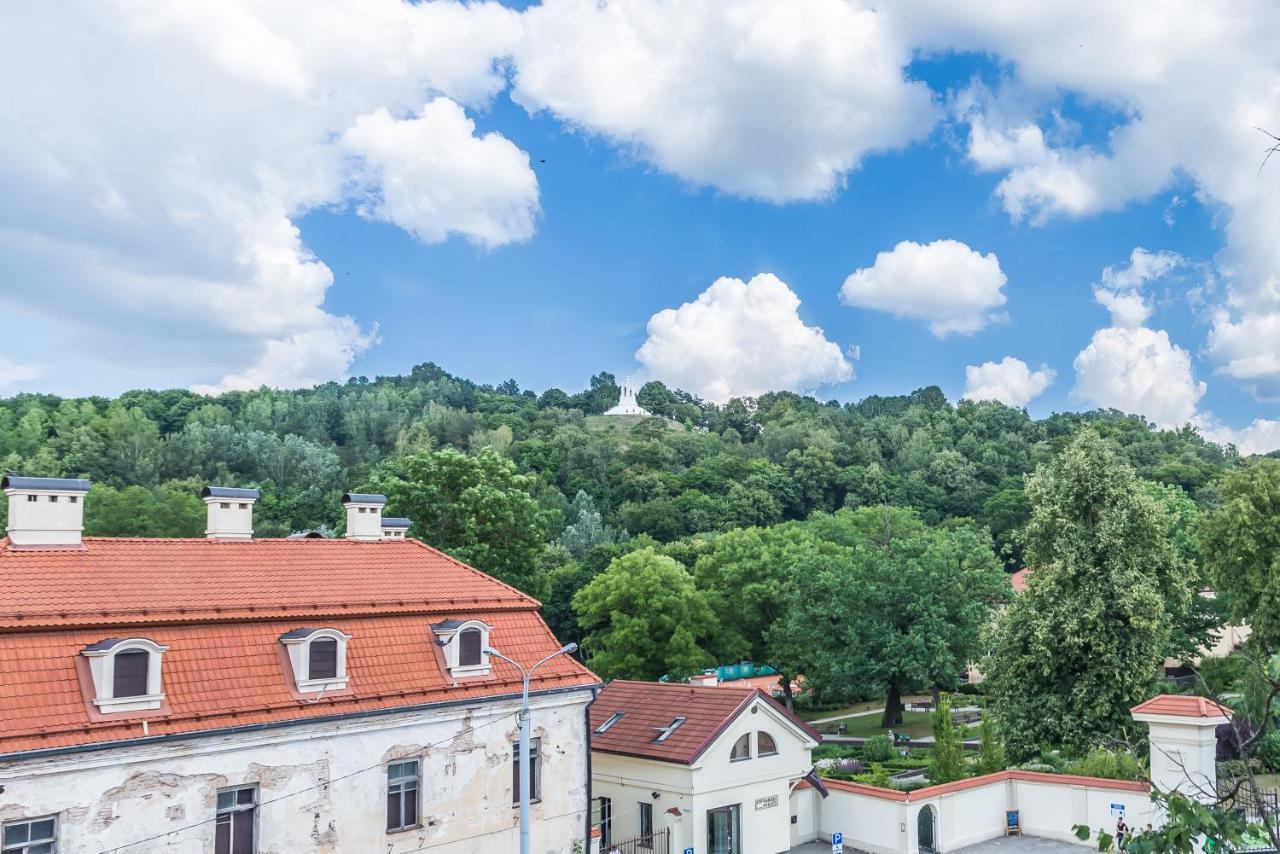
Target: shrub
991, 752
911, 785
1110, 764
1268, 751
878, 748
877, 776
1041, 767
969, 689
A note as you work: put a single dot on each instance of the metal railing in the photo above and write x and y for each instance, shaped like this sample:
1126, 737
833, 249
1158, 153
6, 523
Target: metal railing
656, 843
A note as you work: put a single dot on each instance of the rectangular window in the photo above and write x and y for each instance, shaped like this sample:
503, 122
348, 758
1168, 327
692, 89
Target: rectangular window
606, 821
323, 662
73, 498
646, 825
131, 673
53, 499
535, 764
469, 651
236, 831
30, 836
402, 794
32, 498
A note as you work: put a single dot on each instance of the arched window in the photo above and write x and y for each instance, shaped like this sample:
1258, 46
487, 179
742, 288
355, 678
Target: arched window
126, 674
741, 748
470, 643
765, 745
318, 658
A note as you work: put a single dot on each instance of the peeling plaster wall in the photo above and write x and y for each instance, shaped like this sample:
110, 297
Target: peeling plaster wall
315, 792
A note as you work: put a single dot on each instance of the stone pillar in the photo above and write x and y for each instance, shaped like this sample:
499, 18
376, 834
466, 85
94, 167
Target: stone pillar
1183, 743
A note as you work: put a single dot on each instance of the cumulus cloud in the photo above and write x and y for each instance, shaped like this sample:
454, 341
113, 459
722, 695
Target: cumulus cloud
1138, 370
157, 156
1120, 291
952, 287
1010, 381
765, 99
1246, 348
1260, 436
431, 175
741, 339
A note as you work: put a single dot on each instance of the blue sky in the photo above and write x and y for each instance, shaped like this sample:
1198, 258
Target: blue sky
230, 198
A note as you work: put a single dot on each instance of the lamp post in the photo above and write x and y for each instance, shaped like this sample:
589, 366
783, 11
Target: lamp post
526, 767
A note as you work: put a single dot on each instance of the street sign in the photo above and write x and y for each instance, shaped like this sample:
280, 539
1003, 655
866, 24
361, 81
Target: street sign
688, 851
837, 843
1117, 810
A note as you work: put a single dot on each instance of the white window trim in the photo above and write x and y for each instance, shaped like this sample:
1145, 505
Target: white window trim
102, 667
299, 650
449, 639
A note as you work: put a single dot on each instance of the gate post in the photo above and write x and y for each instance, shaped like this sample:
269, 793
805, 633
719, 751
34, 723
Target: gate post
1184, 743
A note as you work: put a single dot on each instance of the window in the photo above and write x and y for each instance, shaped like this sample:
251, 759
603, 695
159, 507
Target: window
323, 660
469, 646
32, 498
318, 658
606, 821
741, 748
236, 830
30, 836
765, 745
402, 794
126, 674
610, 721
130, 678
665, 732
646, 825
72, 499
535, 765
225, 505
463, 643
53, 499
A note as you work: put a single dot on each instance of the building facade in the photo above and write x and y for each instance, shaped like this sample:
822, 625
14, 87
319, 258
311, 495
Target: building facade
234, 696
707, 768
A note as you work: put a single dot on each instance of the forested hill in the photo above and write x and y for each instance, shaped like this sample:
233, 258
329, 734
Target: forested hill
704, 468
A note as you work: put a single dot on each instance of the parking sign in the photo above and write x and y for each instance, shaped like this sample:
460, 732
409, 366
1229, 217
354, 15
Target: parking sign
837, 843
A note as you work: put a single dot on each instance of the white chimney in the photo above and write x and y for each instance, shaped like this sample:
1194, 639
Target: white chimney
364, 515
45, 511
395, 528
230, 512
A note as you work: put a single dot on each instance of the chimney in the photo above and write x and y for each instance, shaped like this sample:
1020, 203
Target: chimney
364, 515
230, 512
45, 511
395, 528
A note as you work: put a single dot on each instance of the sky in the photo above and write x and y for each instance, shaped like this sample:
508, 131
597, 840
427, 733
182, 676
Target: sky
1060, 205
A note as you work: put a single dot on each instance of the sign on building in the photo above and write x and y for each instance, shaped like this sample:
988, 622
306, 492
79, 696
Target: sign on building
837, 843
766, 803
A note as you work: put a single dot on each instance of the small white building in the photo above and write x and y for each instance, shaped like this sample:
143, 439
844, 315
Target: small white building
627, 404
232, 695
707, 768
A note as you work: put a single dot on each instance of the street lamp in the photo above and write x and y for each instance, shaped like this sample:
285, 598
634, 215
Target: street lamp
526, 767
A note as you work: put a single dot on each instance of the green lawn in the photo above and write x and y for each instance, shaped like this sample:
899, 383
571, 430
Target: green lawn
914, 724
869, 705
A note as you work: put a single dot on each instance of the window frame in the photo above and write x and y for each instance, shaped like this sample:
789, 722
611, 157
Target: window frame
399, 786
102, 670
760, 751
299, 649
644, 817
449, 638
236, 809
744, 739
25, 846
535, 780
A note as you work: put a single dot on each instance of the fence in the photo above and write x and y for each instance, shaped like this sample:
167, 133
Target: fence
657, 843
1258, 808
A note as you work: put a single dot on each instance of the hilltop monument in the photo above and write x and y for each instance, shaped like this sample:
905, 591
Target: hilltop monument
627, 404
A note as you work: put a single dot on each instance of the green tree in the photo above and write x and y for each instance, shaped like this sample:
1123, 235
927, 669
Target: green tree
1085, 642
643, 618
990, 750
1241, 548
477, 508
899, 608
946, 757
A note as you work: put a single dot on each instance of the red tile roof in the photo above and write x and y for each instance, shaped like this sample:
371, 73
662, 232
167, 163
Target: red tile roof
648, 707
220, 607
1178, 705
1020, 580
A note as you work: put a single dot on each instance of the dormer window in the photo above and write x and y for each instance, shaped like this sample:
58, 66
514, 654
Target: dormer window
126, 674
464, 643
318, 658
609, 722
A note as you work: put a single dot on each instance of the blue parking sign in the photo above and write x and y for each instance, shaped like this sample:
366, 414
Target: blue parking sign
837, 843
688, 850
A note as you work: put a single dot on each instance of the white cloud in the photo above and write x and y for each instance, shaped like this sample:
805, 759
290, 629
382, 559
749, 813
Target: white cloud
431, 175
1260, 436
1138, 370
741, 339
1009, 381
157, 155
1189, 83
14, 373
952, 287
760, 98
1121, 289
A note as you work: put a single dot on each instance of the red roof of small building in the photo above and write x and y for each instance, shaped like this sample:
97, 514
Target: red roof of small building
1020, 580
648, 707
1180, 705
221, 606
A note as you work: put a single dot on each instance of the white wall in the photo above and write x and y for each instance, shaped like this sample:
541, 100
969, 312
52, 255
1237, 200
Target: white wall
868, 822
805, 810
114, 797
1050, 810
